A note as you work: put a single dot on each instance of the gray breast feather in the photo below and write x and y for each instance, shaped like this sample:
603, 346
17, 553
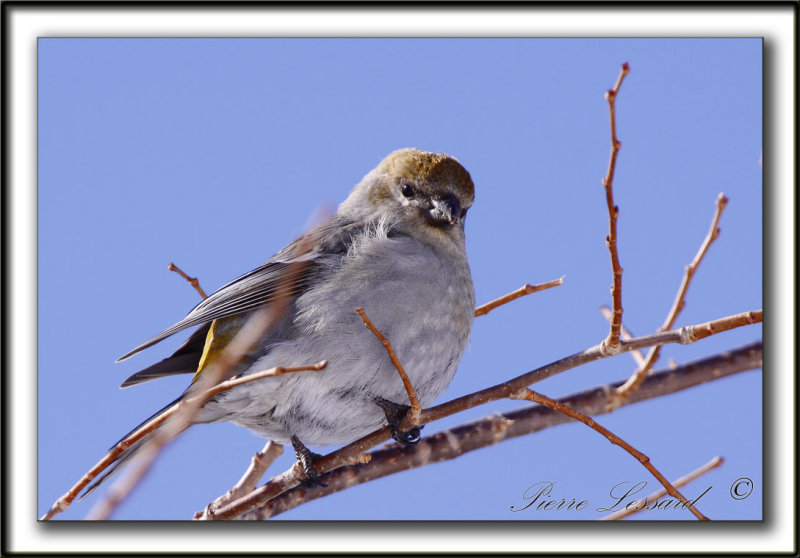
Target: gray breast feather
428, 326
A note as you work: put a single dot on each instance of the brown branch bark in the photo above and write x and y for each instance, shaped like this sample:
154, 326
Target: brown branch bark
713, 464
219, 369
685, 335
490, 430
258, 466
180, 415
64, 501
611, 343
608, 314
524, 290
530, 395
652, 356
340, 457
413, 413
193, 281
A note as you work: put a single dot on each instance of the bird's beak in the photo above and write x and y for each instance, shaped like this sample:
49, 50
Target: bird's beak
445, 210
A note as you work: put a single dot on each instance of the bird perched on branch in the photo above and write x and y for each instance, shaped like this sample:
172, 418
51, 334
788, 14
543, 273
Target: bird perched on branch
396, 248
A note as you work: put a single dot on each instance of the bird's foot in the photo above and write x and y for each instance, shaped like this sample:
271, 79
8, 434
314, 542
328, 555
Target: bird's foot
306, 458
395, 413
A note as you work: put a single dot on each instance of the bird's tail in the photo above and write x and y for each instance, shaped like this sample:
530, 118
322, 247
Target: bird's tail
128, 453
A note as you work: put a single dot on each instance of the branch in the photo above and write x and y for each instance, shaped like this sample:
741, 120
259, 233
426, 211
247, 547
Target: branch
713, 234
713, 464
218, 369
194, 281
684, 335
413, 413
238, 491
524, 290
258, 466
150, 426
652, 356
352, 451
181, 414
490, 430
530, 395
608, 314
611, 342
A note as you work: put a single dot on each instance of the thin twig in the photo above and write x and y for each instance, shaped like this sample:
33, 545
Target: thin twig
218, 369
611, 342
684, 335
638, 357
713, 464
679, 302
413, 413
692, 334
119, 491
415, 405
105, 506
186, 409
530, 395
258, 466
526, 289
63, 503
195, 282
277, 371
496, 428
286, 481
711, 236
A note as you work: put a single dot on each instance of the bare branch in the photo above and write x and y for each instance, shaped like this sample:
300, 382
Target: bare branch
607, 313
695, 333
195, 282
678, 304
684, 335
713, 464
181, 414
258, 466
713, 234
490, 430
241, 380
530, 395
218, 369
611, 342
501, 391
524, 290
413, 413
64, 501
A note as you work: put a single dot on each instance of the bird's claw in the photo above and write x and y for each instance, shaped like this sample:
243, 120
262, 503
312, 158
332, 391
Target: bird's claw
408, 437
395, 413
306, 458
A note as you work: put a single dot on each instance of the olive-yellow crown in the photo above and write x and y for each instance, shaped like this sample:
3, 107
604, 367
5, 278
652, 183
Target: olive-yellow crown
432, 171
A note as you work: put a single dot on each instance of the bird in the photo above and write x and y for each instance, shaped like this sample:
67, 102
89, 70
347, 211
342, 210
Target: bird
394, 247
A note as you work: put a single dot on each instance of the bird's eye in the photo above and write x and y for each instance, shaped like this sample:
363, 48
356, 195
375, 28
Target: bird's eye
407, 190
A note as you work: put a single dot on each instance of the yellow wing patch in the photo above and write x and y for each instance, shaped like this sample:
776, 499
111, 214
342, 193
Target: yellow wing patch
221, 332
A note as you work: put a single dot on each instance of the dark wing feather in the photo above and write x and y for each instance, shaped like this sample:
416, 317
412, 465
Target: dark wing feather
129, 452
259, 286
183, 361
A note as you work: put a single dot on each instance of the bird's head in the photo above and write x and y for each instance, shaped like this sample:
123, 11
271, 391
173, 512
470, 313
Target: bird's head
422, 194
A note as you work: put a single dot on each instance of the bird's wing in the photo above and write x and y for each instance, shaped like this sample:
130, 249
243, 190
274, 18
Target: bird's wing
261, 285
182, 361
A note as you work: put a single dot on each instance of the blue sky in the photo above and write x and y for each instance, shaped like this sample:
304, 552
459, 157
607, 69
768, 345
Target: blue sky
215, 153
